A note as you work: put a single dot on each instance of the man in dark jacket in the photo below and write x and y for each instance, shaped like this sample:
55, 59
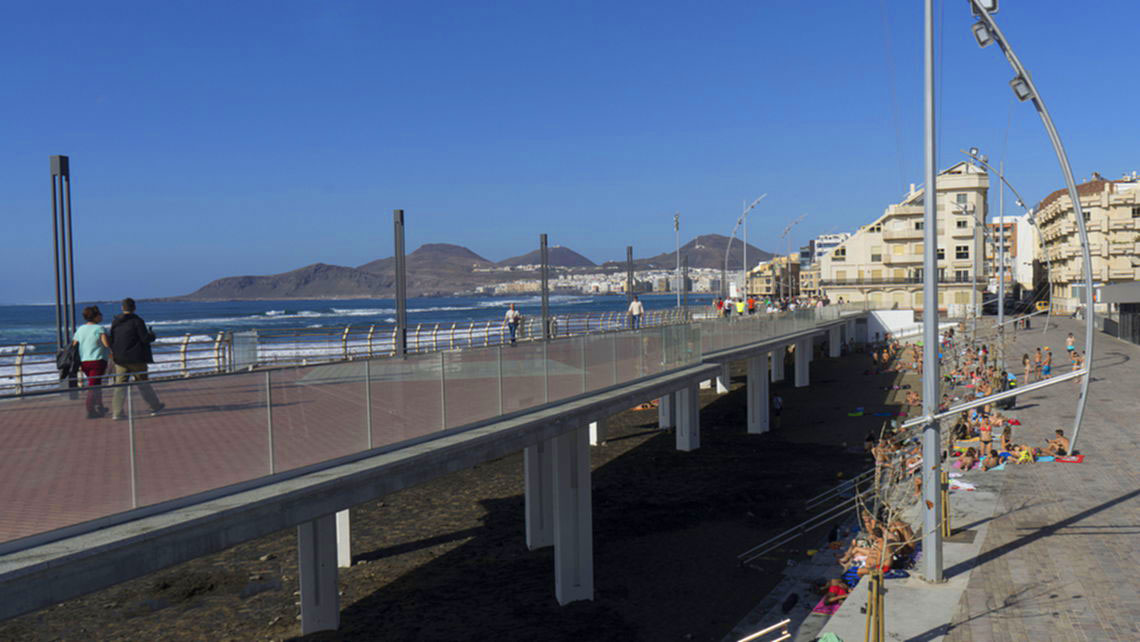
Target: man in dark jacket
130, 350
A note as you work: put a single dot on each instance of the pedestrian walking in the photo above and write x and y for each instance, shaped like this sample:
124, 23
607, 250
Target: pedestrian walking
91, 339
512, 319
635, 312
777, 409
130, 350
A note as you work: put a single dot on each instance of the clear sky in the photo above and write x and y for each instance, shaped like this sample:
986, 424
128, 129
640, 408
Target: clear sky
212, 139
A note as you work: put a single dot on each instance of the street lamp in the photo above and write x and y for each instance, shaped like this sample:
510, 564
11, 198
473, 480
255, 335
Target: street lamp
739, 221
787, 256
677, 273
1025, 90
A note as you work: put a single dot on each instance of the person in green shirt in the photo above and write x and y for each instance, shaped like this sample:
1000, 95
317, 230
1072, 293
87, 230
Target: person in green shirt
93, 351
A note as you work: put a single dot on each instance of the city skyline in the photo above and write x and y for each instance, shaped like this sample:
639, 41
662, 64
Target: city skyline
257, 138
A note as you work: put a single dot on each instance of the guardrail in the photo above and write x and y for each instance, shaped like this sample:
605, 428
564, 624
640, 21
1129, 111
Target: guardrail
32, 365
223, 429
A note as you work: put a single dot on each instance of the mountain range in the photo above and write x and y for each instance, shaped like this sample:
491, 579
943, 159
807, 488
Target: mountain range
440, 269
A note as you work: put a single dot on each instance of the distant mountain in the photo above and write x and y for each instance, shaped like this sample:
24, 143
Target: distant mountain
558, 255
705, 251
312, 281
434, 268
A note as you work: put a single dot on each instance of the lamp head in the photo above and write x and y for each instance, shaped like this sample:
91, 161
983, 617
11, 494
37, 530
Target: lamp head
982, 34
1021, 88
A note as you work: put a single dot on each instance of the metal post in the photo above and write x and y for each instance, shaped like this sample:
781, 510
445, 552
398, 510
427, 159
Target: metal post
685, 287
544, 256
1001, 265
629, 274
1066, 169
401, 286
677, 274
931, 439
368, 399
131, 445
59, 166
269, 419
70, 323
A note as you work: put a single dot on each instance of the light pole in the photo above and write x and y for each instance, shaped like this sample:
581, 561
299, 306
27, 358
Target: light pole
986, 32
973, 153
787, 256
739, 222
677, 273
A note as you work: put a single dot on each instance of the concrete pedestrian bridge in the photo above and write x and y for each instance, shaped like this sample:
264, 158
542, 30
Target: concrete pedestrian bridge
88, 504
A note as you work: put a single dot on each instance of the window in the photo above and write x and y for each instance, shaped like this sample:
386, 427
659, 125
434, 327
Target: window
961, 224
918, 225
918, 248
961, 297
877, 228
840, 276
876, 253
898, 250
1136, 212
962, 276
961, 198
840, 254
941, 254
962, 252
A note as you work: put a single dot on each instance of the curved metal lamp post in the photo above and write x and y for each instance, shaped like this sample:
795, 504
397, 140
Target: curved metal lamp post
739, 221
986, 32
1032, 220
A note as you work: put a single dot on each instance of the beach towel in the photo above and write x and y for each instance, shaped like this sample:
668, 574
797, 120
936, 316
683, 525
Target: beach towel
855, 414
957, 484
1014, 422
850, 577
1045, 459
823, 608
895, 574
1071, 459
998, 467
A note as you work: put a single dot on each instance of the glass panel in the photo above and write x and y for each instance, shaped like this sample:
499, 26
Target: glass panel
406, 397
60, 468
564, 371
524, 376
471, 385
627, 348
318, 413
599, 368
213, 432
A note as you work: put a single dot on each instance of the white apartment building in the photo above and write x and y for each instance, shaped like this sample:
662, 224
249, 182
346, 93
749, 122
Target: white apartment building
882, 262
1021, 241
825, 243
1112, 219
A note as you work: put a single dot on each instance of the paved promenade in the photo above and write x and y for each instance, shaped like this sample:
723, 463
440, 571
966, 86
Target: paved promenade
1061, 559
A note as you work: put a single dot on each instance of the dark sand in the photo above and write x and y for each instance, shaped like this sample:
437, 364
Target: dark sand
447, 560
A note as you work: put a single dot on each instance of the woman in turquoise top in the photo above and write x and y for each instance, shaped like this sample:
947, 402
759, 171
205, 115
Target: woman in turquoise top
93, 352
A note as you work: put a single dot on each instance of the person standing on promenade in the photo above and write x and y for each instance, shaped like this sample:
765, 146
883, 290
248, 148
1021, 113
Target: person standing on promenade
751, 305
740, 307
93, 347
513, 318
635, 312
777, 408
130, 350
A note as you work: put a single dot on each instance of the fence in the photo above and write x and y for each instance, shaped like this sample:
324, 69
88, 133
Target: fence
224, 429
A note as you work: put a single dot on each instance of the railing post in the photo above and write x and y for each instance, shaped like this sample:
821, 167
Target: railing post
269, 418
182, 350
20, 368
487, 334
395, 340
418, 335
344, 341
218, 351
470, 335
451, 337
435, 337
371, 332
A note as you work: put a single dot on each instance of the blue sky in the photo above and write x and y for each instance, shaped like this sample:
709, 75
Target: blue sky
212, 139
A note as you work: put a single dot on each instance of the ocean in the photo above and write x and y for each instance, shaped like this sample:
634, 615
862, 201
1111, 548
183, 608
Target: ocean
171, 320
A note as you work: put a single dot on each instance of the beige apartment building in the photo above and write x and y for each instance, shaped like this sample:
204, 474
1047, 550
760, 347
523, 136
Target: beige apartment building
1112, 219
809, 280
776, 278
882, 262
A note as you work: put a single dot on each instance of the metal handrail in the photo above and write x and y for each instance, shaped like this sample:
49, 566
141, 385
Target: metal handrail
842, 487
800, 529
781, 626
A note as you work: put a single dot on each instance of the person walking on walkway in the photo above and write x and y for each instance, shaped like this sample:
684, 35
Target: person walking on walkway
635, 312
777, 409
130, 350
512, 319
93, 347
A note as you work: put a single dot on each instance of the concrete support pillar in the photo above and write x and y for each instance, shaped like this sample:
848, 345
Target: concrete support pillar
706, 384
778, 363
757, 393
573, 518
723, 379
316, 561
850, 329
598, 432
803, 358
667, 411
538, 476
343, 540
834, 342
688, 419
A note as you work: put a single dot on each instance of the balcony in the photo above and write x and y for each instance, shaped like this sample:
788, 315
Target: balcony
871, 281
909, 234
902, 259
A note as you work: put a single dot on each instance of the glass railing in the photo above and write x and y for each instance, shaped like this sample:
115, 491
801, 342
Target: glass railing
62, 469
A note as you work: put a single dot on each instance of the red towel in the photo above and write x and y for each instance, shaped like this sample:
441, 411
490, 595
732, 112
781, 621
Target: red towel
1070, 459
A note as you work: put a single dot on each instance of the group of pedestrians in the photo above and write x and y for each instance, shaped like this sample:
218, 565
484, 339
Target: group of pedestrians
127, 347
